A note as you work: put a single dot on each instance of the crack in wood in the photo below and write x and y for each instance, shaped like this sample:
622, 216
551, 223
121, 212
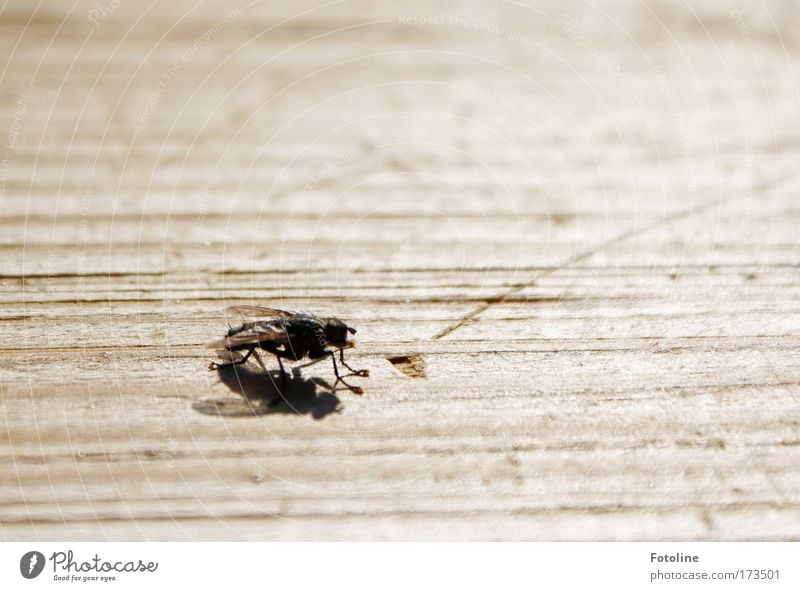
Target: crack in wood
500, 298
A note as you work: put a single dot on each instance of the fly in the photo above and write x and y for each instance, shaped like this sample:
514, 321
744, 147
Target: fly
291, 336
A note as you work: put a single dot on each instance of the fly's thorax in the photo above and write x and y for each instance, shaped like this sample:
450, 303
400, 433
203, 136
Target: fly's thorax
320, 335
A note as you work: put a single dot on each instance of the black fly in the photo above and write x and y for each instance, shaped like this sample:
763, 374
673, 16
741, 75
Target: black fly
288, 335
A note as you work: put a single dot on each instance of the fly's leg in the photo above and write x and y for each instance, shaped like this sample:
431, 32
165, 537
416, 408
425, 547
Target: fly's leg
280, 398
283, 377
297, 368
362, 373
214, 365
259, 360
353, 389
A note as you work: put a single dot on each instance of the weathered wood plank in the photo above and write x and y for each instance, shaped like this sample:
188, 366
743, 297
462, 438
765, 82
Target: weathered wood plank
568, 242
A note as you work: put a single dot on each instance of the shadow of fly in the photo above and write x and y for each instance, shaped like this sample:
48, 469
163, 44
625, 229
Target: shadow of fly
287, 335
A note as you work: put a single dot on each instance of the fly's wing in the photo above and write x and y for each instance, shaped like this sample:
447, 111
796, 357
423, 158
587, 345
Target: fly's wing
260, 312
264, 313
257, 333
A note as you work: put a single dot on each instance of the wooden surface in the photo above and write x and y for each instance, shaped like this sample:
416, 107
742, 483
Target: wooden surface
567, 234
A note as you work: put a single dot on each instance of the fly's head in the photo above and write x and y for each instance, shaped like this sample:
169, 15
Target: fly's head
336, 332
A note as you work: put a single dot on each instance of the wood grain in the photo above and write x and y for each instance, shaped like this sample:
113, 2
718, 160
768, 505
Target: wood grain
567, 236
